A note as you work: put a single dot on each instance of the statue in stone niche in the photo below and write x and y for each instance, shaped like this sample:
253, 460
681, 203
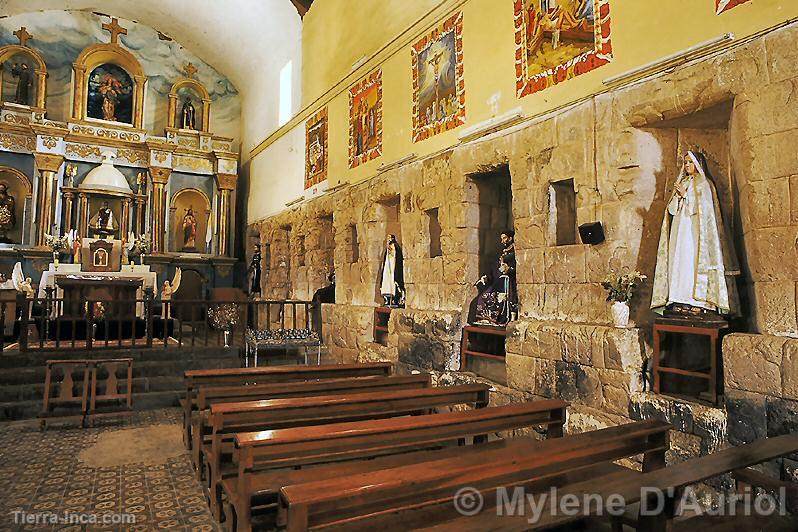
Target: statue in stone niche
695, 260
188, 114
497, 301
110, 89
392, 279
103, 222
254, 272
8, 217
189, 230
21, 71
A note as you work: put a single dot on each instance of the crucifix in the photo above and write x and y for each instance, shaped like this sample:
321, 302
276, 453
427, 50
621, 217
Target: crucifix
435, 61
190, 70
23, 36
115, 29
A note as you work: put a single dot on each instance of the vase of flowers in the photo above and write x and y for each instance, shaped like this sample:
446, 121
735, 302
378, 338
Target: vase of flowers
224, 317
140, 246
57, 244
620, 290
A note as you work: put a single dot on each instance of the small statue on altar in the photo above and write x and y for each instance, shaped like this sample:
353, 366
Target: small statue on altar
254, 272
392, 279
695, 260
189, 231
21, 71
8, 217
141, 182
103, 222
188, 114
497, 301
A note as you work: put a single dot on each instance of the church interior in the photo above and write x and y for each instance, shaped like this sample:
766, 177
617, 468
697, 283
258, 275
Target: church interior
440, 265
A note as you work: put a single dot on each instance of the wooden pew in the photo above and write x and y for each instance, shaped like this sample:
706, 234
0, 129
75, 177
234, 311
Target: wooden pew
229, 418
629, 488
378, 499
264, 459
230, 394
273, 374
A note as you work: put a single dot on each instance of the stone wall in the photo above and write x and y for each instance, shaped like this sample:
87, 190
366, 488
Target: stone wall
621, 149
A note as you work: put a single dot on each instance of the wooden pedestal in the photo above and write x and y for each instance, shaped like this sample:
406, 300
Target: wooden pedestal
381, 317
472, 333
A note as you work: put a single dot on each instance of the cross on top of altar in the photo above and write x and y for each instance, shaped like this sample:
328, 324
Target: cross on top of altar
115, 30
23, 36
190, 70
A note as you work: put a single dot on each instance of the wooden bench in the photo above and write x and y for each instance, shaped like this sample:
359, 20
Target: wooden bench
195, 379
229, 418
386, 494
260, 456
630, 487
208, 396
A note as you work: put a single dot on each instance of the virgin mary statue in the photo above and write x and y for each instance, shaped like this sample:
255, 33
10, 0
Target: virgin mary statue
695, 260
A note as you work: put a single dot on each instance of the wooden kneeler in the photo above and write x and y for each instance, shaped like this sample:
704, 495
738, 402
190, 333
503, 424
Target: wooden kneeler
110, 387
66, 391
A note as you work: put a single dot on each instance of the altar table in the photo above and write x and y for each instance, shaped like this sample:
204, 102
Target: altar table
52, 278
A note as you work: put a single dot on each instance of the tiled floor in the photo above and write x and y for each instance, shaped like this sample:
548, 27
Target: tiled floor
42, 474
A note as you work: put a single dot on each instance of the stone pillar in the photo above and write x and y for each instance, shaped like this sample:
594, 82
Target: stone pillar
68, 196
83, 214
225, 183
160, 177
48, 165
124, 224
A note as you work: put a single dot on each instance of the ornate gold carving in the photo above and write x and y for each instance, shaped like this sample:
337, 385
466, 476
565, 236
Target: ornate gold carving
225, 146
193, 163
17, 142
17, 119
161, 156
132, 156
226, 181
82, 150
160, 175
50, 142
190, 143
107, 133
48, 162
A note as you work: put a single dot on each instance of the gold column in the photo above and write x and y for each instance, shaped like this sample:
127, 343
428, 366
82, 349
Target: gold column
125, 222
160, 177
79, 96
171, 117
206, 115
138, 229
41, 88
48, 165
225, 183
83, 214
138, 101
68, 195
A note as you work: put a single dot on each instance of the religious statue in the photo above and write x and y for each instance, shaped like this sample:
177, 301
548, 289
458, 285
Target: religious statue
497, 301
254, 272
189, 231
21, 71
695, 260
103, 222
392, 279
110, 89
188, 115
168, 290
8, 217
141, 182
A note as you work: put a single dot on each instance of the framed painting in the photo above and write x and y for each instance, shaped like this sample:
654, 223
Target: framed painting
365, 119
558, 40
316, 148
438, 85
110, 94
721, 6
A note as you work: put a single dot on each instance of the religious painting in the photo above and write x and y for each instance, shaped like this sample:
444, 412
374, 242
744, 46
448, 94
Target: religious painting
438, 85
365, 119
110, 94
721, 6
559, 40
316, 148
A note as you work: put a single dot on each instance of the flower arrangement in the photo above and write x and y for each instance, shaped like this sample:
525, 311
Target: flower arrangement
142, 245
224, 316
58, 243
621, 288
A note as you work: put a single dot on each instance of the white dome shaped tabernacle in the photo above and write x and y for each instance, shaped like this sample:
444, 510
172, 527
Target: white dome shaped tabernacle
106, 177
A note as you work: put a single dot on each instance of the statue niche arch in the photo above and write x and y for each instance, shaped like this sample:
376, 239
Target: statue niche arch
104, 60
200, 205
175, 115
39, 81
19, 187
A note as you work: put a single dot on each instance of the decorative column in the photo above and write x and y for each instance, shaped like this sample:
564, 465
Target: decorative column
83, 214
68, 196
226, 184
206, 114
138, 228
125, 222
160, 177
48, 165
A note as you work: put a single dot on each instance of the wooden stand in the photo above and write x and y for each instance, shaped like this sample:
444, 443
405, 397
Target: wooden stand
381, 317
711, 329
475, 332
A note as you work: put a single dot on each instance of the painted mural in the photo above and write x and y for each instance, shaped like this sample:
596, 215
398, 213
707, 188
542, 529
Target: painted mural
316, 148
438, 84
365, 119
721, 6
556, 41
59, 36
110, 94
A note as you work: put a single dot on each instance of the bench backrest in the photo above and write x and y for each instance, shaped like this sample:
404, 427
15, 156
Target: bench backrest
346, 500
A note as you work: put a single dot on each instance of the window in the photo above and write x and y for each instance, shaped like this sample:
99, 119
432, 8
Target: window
285, 94
434, 233
562, 212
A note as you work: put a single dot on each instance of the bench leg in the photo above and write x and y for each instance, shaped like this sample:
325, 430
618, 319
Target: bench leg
244, 514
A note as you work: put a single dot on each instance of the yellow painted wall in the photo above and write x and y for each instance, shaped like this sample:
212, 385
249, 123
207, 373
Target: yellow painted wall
642, 31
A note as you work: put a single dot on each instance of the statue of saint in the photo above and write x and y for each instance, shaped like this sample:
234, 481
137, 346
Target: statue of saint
8, 216
103, 222
254, 272
110, 89
497, 301
21, 71
189, 231
695, 260
188, 115
392, 279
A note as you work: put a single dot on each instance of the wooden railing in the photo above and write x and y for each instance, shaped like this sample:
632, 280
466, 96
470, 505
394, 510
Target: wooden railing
51, 323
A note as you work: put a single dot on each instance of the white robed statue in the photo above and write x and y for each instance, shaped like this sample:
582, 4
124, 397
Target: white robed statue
695, 260
391, 280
